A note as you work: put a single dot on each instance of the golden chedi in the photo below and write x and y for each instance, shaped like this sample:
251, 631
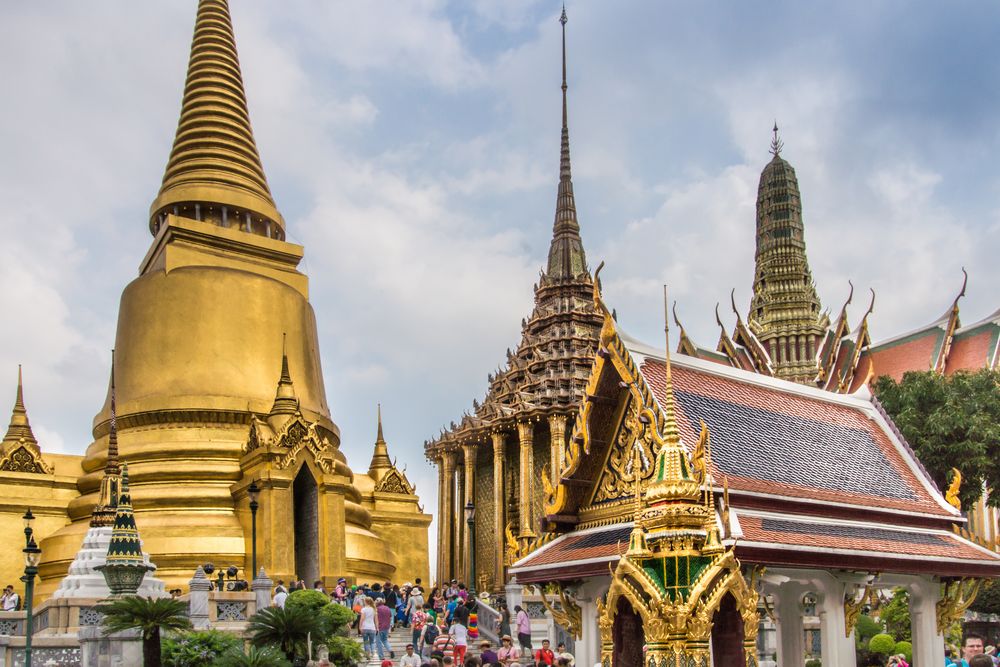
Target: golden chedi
218, 369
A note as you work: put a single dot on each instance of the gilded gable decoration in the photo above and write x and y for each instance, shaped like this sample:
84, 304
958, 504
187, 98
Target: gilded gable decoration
394, 481
22, 459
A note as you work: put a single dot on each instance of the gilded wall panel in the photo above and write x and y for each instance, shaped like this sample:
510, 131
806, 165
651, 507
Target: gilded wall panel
543, 460
616, 481
486, 539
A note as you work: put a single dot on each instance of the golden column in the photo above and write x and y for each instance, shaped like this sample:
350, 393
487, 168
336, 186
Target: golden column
526, 435
469, 450
448, 503
557, 431
439, 462
498, 505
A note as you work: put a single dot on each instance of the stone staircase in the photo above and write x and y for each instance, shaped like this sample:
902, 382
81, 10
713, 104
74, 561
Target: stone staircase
399, 637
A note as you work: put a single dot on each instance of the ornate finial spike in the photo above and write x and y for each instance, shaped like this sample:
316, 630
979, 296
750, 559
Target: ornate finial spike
563, 19
285, 375
379, 438
670, 432
19, 400
776, 143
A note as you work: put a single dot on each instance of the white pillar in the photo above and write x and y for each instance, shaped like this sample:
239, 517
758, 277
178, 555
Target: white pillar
928, 643
791, 635
198, 599
837, 648
588, 648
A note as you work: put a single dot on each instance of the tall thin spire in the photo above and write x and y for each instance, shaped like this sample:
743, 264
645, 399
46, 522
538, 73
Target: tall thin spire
380, 457
112, 467
670, 432
214, 172
106, 506
566, 256
285, 401
19, 427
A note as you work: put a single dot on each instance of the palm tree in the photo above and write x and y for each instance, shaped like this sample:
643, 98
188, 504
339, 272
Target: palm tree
286, 628
148, 615
267, 656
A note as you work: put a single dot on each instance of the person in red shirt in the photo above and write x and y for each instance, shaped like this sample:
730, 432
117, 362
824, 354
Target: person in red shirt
544, 655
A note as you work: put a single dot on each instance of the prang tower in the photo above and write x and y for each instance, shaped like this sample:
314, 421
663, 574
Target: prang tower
785, 312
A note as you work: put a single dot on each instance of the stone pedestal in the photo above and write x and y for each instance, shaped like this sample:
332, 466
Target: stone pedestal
123, 649
198, 600
261, 587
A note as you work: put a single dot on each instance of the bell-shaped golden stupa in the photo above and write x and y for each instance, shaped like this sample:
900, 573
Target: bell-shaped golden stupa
218, 373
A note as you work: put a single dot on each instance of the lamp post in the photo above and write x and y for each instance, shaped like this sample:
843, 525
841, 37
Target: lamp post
470, 519
32, 556
253, 492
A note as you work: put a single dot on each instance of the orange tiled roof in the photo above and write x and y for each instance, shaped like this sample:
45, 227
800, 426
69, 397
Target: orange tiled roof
772, 437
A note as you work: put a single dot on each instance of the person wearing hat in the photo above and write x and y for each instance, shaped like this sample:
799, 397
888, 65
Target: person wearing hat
409, 659
387, 663
340, 592
487, 654
508, 655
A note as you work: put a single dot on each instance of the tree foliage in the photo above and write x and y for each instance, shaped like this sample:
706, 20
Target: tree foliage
866, 628
951, 422
201, 648
148, 615
896, 616
988, 600
345, 651
906, 648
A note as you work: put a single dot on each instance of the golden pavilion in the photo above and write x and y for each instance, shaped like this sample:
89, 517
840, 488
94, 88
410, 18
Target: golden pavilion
218, 377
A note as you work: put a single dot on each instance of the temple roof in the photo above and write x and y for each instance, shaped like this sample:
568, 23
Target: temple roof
214, 161
781, 439
808, 477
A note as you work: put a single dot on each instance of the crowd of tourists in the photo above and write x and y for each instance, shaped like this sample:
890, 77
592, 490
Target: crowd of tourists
443, 623
974, 653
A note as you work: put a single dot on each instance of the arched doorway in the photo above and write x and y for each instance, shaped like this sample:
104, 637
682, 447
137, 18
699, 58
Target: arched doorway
306, 519
628, 636
727, 635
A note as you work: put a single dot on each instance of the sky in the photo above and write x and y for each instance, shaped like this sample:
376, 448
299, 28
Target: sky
413, 148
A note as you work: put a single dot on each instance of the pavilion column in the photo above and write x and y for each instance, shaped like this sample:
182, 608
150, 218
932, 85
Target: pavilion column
469, 449
791, 633
458, 524
441, 550
447, 515
782, 349
837, 647
557, 432
928, 642
526, 435
498, 508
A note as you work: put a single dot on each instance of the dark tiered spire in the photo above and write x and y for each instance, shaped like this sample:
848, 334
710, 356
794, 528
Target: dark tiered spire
125, 566
785, 311
104, 511
566, 256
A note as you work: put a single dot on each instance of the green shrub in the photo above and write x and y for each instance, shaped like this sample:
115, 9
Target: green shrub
333, 618
882, 643
906, 648
197, 649
814, 662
